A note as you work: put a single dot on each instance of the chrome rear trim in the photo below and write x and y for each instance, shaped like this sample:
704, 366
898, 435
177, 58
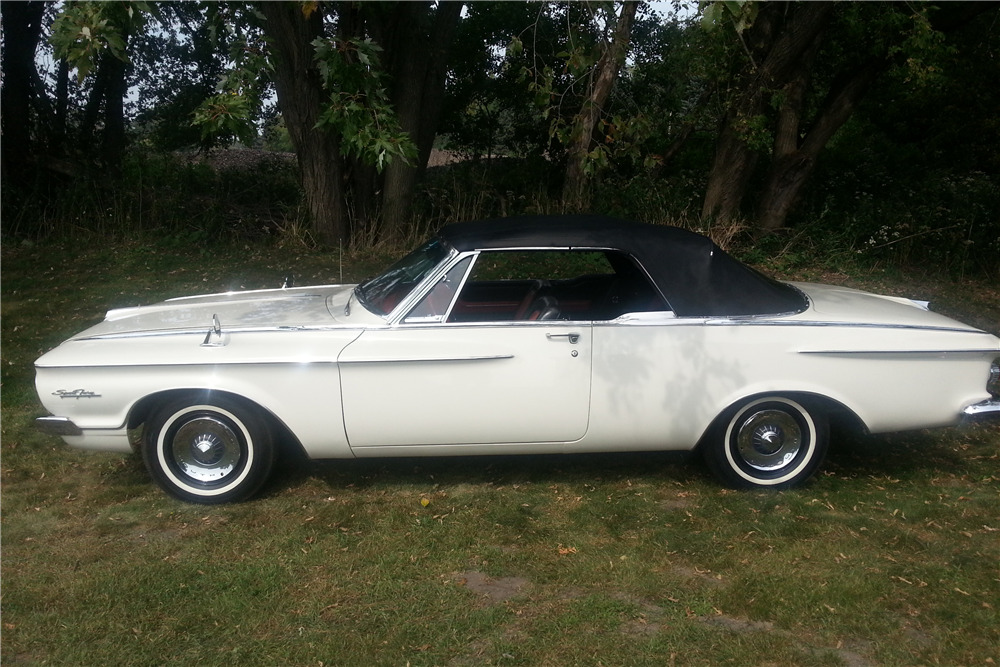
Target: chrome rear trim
989, 407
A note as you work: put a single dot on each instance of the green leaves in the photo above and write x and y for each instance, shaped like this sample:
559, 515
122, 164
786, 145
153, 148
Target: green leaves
225, 113
233, 111
358, 107
84, 30
742, 14
515, 47
923, 51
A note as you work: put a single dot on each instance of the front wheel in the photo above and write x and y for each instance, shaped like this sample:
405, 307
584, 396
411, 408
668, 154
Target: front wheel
772, 442
208, 451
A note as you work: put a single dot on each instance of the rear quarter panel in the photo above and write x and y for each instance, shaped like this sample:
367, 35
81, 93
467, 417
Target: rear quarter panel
660, 386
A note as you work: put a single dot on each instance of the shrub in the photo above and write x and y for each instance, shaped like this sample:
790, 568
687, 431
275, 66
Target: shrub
185, 197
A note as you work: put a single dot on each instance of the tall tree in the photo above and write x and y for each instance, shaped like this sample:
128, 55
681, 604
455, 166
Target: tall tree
360, 90
342, 108
22, 29
293, 28
570, 56
417, 49
602, 80
489, 110
797, 145
94, 36
174, 69
806, 67
781, 40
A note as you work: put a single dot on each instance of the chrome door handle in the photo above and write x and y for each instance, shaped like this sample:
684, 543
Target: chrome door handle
573, 338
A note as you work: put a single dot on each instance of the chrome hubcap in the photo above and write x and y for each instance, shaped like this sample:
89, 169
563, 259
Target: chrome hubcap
206, 449
769, 440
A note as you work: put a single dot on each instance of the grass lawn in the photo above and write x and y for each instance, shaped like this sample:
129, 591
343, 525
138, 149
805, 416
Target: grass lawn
890, 556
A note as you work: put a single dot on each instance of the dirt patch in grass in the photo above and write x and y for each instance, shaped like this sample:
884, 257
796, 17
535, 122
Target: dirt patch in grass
850, 653
489, 589
649, 621
738, 625
693, 573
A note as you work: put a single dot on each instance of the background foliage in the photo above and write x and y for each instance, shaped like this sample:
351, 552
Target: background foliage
910, 176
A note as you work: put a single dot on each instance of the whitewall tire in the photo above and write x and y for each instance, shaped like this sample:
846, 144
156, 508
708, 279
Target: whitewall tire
208, 450
770, 442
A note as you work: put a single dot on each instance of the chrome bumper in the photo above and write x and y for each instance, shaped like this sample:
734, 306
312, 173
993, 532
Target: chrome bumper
986, 408
57, 426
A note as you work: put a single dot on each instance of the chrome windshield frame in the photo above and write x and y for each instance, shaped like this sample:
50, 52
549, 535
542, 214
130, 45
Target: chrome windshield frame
360, 289
428, 282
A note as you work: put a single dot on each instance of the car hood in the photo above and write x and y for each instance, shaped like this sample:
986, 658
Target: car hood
297, 307
842, 305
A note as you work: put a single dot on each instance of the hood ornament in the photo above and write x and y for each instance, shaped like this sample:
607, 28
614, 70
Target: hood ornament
216, 331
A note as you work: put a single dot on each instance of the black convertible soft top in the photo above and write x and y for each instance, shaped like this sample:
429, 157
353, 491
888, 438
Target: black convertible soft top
695, 276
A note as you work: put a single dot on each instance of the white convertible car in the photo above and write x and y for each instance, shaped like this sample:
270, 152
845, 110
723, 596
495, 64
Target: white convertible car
528, 335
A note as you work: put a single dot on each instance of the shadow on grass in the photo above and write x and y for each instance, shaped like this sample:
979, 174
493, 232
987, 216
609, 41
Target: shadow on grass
951, 451
679, 468
910, 455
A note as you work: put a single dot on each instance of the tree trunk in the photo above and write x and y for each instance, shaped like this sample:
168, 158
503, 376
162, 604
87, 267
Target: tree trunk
729, 176
605, 75
21, 32
58, 141
735, 158
420, 64
789, 167
794, 161
92, 110
300, 96
786, 66
113, 134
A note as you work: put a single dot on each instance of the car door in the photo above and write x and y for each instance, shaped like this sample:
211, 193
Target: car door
467, 384
503, 378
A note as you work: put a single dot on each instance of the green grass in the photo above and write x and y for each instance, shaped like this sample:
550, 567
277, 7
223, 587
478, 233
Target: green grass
890, 556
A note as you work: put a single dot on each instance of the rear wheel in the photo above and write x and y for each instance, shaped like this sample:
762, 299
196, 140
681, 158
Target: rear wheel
770, 442
208, 451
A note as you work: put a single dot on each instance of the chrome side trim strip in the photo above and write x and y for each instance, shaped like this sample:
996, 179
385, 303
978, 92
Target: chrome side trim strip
820, 323
897, 352
286, 362
279, 293
214, 364
411, 360
285, 328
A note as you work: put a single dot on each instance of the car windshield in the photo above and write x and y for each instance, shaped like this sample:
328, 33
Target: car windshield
384, 292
